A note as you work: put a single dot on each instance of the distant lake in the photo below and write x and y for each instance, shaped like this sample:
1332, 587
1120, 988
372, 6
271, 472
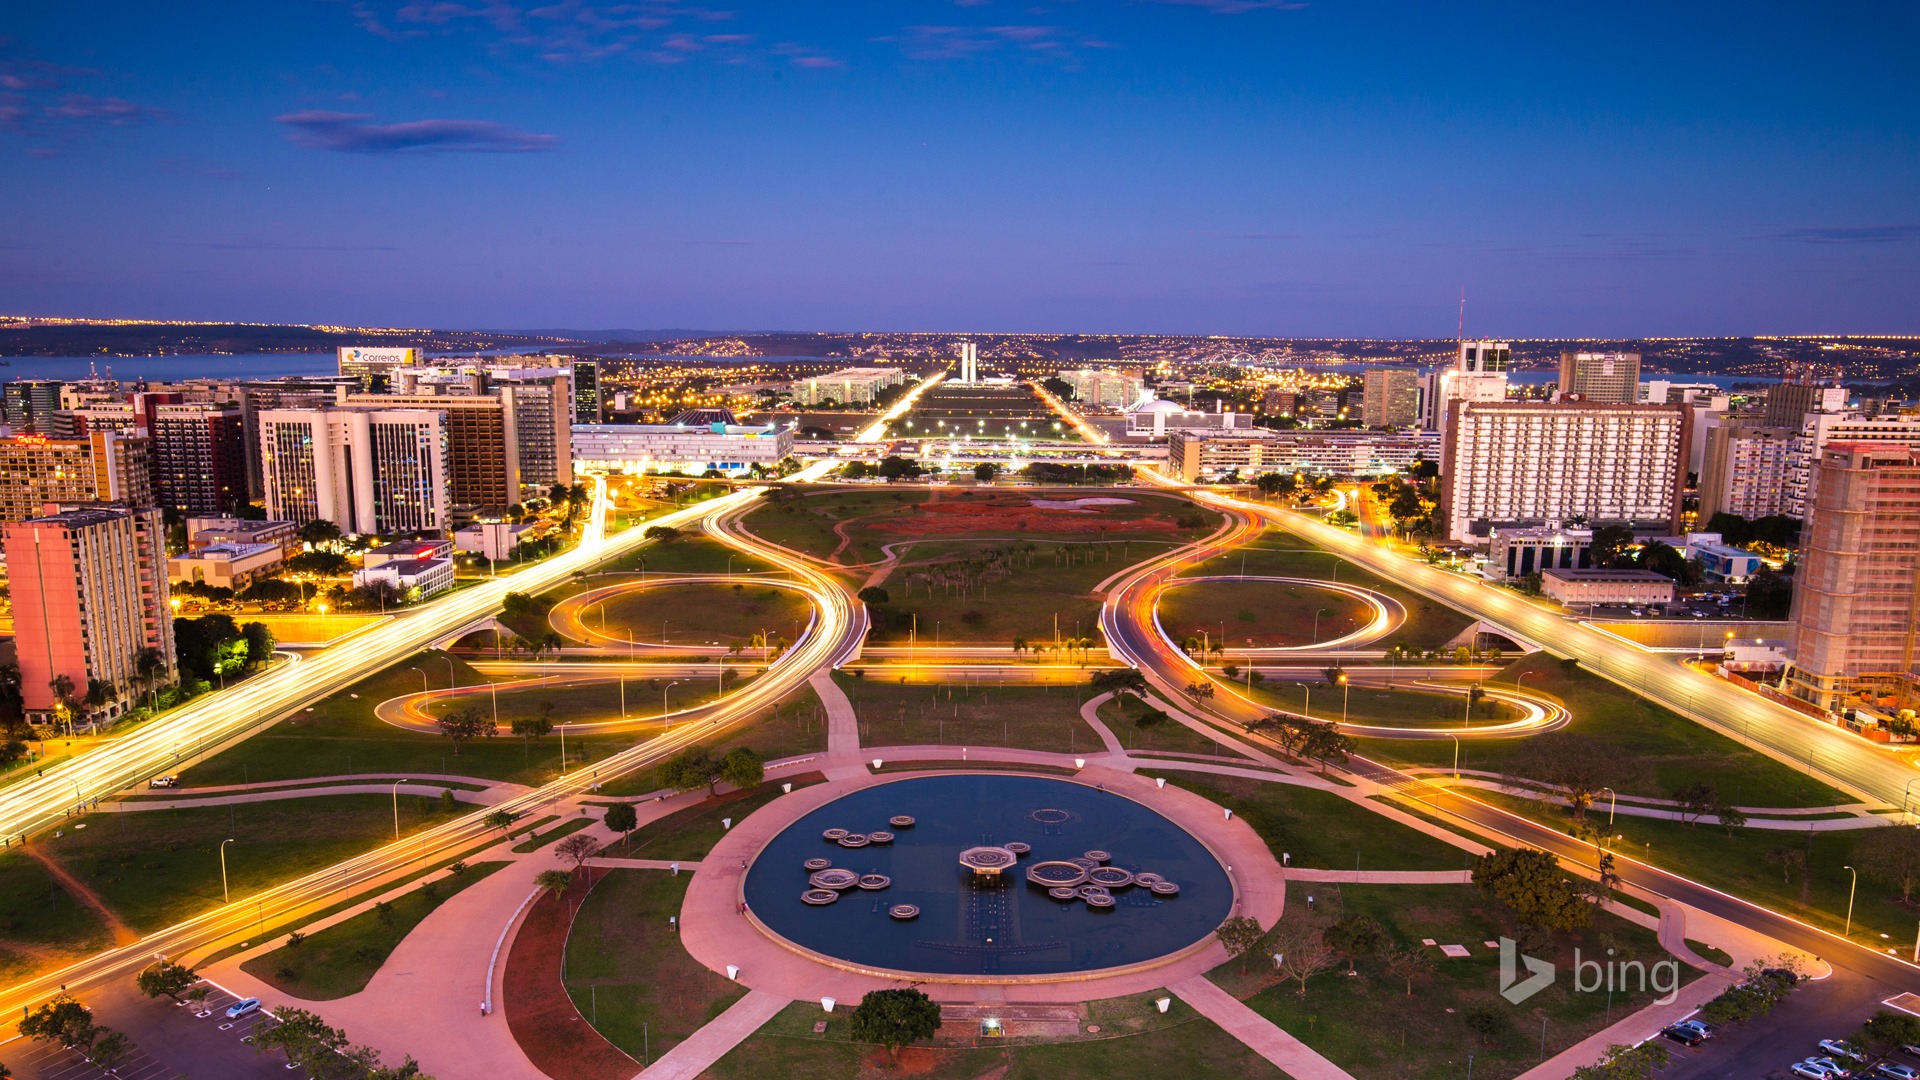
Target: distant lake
169, 368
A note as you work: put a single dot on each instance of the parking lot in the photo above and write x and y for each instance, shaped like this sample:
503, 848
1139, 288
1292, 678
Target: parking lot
169, 1041
1831, 1008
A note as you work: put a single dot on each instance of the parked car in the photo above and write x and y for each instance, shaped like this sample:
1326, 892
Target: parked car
1681, 1033
164, 781
1834, 1068
1895, 1071
1705, 1029
1783, 976
1841, 1048
242, 1008
1811, 1069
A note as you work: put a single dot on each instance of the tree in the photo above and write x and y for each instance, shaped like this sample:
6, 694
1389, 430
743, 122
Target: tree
894, 1018
693, 768
57, 1020
305, 1039
463, 724
260, 643
148, 665
742, 768
63, 703
406, 1070
1694, 800
1530, 884
894, 467
579, 847
986, 471
1302, 951
1409, 963
499, 819
1241, 935
554, 881
1788, 859
1891, 855
320, 533
1886, 1032
536, 727
1608, 548
1769, 594
1487, 1020
1151, 717
166, 977
1623, 1062
1579, 764
1355, 936
319, 564
1119, 682
1325, 744
623, 819
109, 1048
661, 533
873, 596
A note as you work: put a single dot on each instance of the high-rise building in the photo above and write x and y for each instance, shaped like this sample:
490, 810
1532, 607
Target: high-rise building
1856, 604
295, 392
509, 430
848, 386
1789, 402
371, 471
1390, 398
29, 405
105, 466
1820, 429
372, 365
1103, 388
1600, 376
1537, 463
89, 587
199, 459
1745, 468
1478, 373
589, 407
969, 362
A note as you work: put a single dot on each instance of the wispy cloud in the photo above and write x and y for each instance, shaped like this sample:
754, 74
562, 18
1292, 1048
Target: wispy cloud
357, 133
118, 112
275, 245
1236, 7
961, 42
39, 102
584, 31
1850, 234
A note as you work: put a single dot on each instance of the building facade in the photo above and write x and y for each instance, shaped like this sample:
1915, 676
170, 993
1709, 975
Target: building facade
369, 471
1390, 398
1520, 463
1589, 588
1601, 377
103, 467
1746, 468
1478, 374
1102, 388
199, 458
694, 448
371, 365
89, 588
848, 386
1512, 554
29, 405
1856, 601
589, 407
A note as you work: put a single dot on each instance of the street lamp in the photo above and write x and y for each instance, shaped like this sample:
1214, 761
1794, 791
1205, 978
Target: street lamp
225, 897
424, 690
396, 805
1316, 623
663, 700
1848, 932
1456, 754
1306, 700
1612, 799
1346, 691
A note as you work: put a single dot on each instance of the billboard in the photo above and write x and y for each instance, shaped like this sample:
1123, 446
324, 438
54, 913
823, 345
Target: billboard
364, 362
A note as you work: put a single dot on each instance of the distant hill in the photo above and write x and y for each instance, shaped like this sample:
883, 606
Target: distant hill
71, 337
614, 336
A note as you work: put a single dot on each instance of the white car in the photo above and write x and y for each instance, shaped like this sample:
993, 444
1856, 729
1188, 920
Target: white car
1811, 1069
1893, 1071
1842, 1048
164, 782
242, 1007
1834, 1068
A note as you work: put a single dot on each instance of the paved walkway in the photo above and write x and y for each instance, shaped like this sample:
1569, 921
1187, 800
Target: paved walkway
1260, 1034
1383, 877
1090, 712
497, 794
721, 1034
1856, 819
843, 728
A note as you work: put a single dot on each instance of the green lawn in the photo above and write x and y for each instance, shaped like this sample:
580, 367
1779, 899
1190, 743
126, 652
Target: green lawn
689, 553
1318, 829
1670, 750
625, 968
343, 958
341, 736
1168, 736
156, 867
1134, 1040
1262, 613
1033, 599
596, 702
1379, 705
703, 614
1281, 554
1746, 865
795, 727
41, 924
690, 833
535, 840
1371, 1027
1044, 717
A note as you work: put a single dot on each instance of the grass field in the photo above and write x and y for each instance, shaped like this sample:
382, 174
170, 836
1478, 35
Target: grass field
1169, 736
344, 957
41, 924
690, 833
703, 614
1371, 1027
1379, 705
691, 553
797, 726
1260, 614
1670, 751
626, 971
1134, 1040
341, 736
1281, 554
955, 714
596, 702
1319, 830
303, 629
1038, 598
154, 868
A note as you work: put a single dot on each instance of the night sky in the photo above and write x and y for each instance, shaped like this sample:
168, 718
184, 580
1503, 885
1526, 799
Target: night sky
1180, 166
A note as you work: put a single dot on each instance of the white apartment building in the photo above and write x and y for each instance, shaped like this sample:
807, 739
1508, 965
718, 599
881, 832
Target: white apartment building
1478, 373
1100, 388
366, 470
1818, 430
1517, 463
694, 448
848, 386
1745, 468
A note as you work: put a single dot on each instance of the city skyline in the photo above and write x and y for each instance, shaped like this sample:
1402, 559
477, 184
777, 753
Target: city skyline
1223, 166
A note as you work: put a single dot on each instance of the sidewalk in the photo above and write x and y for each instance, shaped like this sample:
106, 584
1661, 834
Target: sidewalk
719, 1035
1259, 1034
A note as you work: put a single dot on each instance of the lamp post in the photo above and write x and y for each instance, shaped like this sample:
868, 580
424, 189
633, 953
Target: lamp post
225, 896
1848, 932
453, 680
1316, 623
663, 701
424, 689
396, 806
1306, 700
563, 749
1456, 754
1612, 799
1346, 691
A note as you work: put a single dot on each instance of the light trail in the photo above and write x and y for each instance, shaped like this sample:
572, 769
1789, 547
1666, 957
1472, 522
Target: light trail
878, 429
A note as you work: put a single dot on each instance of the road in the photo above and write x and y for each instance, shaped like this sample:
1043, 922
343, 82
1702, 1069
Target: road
832, 640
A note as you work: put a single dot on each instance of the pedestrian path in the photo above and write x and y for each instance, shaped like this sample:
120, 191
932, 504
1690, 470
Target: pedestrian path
1384, 877
1260, 1034
843, 728
711, 1043
498, 793
1090, 712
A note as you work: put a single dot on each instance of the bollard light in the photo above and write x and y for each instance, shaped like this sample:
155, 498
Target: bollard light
827, 1004
876, 763
1229, 813
786, 789
726, 823
733, 971
1162, 1003
1159, 781
1079, 763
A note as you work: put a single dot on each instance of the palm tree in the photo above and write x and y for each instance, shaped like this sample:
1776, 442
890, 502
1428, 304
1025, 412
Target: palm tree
100, 694
148, 665
62, 687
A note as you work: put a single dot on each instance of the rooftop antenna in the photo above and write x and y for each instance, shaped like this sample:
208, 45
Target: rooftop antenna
1461, 334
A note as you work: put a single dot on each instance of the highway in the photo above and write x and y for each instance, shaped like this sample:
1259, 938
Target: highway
832, 639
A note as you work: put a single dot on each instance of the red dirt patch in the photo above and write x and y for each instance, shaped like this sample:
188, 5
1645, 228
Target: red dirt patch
556, 1038
966, 518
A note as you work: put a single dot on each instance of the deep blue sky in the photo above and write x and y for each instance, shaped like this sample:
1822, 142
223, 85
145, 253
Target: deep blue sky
1192, 166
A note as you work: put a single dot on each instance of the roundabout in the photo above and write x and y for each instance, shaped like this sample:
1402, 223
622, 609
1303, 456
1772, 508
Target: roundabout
574, 617
1386, 614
